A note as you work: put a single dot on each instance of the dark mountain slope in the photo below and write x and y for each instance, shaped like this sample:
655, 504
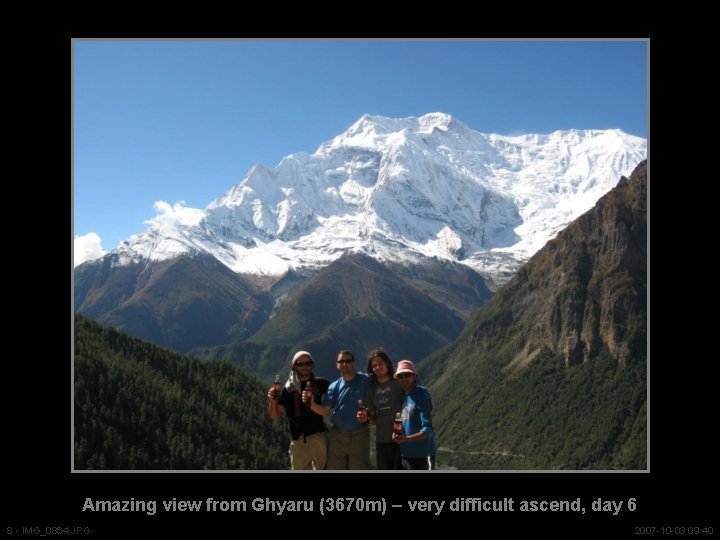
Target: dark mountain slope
181, 303
552, 371
357, 303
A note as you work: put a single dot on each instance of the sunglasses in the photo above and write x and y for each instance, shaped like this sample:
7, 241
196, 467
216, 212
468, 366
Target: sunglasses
346, 361
303, 364
404, 375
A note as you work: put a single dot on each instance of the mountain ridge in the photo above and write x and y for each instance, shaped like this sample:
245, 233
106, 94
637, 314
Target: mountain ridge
359, 303
413, 194
410, 188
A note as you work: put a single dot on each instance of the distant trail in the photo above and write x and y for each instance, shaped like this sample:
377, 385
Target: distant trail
504, 453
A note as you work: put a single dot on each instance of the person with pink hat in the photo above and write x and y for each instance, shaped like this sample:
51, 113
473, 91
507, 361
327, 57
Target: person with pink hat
308, 447
417, 442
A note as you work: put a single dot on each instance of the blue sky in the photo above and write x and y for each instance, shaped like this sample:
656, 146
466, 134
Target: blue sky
185, 120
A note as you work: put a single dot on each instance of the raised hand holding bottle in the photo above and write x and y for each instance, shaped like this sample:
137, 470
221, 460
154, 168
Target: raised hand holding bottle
362, 414
277, 386
307, 394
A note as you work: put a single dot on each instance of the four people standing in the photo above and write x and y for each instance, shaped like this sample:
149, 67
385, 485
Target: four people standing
355, 401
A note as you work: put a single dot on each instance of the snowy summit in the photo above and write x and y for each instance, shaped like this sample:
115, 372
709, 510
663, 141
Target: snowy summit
402, 190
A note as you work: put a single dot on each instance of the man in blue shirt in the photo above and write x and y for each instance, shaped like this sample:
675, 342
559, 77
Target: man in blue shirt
348, 440
417, 443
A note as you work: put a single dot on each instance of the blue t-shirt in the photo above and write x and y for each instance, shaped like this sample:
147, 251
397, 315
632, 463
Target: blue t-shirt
416, 417
342, 396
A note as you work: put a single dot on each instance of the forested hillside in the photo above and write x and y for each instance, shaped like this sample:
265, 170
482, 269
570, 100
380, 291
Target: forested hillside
138, 406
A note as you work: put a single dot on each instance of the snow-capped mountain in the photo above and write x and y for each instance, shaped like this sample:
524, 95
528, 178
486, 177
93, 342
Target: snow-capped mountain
402, 190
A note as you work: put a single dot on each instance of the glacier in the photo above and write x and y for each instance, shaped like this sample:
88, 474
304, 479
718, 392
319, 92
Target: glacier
401, 190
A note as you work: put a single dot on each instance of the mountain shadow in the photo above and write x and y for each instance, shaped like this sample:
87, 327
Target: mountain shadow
181, 303
357, 303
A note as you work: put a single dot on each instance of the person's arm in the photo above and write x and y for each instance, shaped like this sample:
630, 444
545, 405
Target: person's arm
317, 408
274, 408
371, 409
401, 439
325, 407
426, 427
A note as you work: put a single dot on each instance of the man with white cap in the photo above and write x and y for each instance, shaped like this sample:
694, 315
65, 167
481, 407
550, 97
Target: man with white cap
308, 448
417, 442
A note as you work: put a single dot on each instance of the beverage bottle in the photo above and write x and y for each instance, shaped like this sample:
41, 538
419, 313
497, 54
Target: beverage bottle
277, 385
307, 394
362, 408
397, 424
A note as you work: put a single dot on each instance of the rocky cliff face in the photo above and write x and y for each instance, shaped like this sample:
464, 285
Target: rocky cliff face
587, 288
552, 372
